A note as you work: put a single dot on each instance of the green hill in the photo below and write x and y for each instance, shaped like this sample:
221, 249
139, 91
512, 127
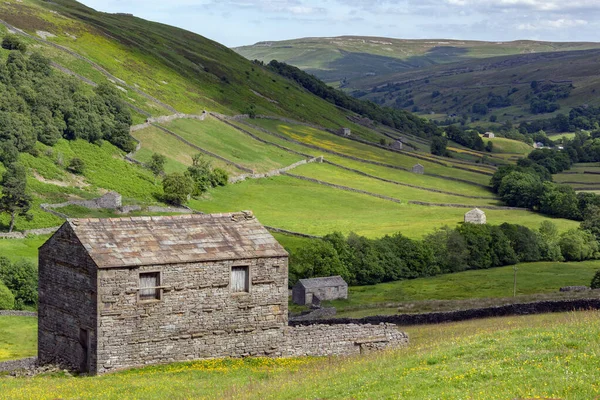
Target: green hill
352, 57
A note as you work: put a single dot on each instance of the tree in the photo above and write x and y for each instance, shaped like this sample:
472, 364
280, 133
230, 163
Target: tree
21, 278
449, 249
76, 166
7, 299
520, 189
316, 259
559, 201
489, 147
157, 164
177, 188
200, 173
438, 146
595, 284
13, 42
578, 245
14, 201
549, 242
591, 221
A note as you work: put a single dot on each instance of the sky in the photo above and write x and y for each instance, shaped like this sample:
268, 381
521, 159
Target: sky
243, 22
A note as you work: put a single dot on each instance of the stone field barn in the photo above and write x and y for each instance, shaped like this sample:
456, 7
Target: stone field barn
122, 292
315, 290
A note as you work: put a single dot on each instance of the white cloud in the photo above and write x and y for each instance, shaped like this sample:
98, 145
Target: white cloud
560, 23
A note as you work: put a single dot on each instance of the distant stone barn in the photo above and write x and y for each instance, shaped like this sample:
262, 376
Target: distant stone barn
122, 292
418, 169
476, 216
315, 290
346, 132
397, 145
489, 135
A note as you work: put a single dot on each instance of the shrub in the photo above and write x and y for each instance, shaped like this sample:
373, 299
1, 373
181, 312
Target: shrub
578, 245
76, 166
596, 281
177, 188
7, 299
13, 42
21, 278
157, 164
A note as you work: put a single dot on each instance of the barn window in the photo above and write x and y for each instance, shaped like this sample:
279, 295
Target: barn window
240, 279
150, 286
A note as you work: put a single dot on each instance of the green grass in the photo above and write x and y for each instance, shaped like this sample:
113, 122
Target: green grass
217, 137
18, 338
345, 146
383, 172
532, 279
540, 356
15, 249
509, 146
306, 207
339, 176
179, 155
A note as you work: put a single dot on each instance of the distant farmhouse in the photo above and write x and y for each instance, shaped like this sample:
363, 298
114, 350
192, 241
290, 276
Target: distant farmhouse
418, 169
489, 135
345, 132
476, 216
123, 292
315, 290
538, 145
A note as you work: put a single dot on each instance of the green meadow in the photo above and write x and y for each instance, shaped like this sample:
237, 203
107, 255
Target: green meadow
536, 356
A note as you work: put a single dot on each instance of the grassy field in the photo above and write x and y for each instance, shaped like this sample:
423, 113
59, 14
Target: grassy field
306, 207
228, 142
532, 278
345, 146
509, 146
541, 356
339, 176
18, 338
383, 172
15, 249
178, 154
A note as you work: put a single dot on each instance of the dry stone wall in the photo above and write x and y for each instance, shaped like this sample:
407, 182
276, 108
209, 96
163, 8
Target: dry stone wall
276, 172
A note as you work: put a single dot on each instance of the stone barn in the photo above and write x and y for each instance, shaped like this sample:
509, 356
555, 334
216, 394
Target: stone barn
123, 292
418, 169
346, 131
489, 135
475, 216
315, 290
397, 145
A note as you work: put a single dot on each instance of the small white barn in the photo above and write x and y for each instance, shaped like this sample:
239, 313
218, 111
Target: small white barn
418, 169
346, 131
489, 135
475, 216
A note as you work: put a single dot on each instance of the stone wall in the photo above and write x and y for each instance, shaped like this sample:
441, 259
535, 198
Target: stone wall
539, 307
197, 317
166, 119
17, 313
31, 232
67, 303
111, 200
276, 172
335, 340
13, 365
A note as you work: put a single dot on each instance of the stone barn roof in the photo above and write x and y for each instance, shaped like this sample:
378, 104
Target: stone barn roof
315, 283
476, 211
136, 241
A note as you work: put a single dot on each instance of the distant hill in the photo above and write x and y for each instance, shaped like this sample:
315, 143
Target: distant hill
499, 86
351, 57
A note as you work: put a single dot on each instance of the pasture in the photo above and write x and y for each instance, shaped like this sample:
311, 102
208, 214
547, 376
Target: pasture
539, 356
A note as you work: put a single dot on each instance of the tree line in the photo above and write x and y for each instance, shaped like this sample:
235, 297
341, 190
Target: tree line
363, 261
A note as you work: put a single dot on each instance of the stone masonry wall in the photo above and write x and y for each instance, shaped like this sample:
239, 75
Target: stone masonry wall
348, 339
197, 317
67, 301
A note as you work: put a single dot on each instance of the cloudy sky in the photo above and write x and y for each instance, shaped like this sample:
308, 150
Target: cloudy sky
241, 22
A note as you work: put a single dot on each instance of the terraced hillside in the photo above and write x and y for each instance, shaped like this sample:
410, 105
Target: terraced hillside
353, 57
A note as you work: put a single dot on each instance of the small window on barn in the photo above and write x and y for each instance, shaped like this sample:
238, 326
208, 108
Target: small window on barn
240, 279
150, 286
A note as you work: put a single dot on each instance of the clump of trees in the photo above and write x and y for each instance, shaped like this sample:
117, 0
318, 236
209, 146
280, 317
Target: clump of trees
468, 138
21, 279
363, 261
39, 104
14, 199
198, 178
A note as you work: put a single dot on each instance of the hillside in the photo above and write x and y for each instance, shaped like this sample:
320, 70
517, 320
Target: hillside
353, 57
502, 84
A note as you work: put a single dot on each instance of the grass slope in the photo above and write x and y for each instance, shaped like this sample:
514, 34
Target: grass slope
541, 356
306, 207
532, 278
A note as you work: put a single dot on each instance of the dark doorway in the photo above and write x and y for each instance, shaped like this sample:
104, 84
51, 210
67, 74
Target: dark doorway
84, 341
